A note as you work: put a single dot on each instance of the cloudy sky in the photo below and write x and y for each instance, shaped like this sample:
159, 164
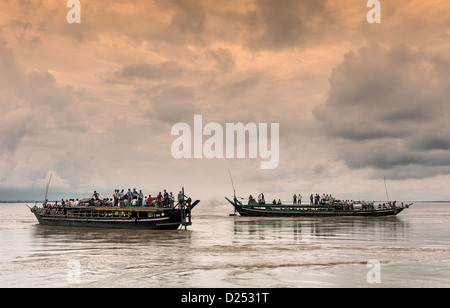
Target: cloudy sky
94, 103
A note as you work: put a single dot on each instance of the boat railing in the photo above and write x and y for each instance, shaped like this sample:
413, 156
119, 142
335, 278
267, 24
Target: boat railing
123, 213
253, 202
288, 207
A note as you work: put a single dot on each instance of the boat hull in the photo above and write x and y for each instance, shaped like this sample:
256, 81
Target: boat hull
171, 222
308, 211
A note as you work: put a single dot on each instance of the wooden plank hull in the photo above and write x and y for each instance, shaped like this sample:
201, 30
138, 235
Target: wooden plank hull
157, 223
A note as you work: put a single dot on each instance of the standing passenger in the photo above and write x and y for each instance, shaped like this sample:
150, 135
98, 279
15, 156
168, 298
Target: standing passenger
140, 197
116, 197
165, 198
159, 198
172, 199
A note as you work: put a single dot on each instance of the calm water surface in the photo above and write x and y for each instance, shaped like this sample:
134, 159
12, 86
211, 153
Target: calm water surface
222, 251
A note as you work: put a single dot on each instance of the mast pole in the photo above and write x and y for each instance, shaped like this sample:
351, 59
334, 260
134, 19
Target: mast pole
46, 190
234, 192
385, 187
232, 184
184, 211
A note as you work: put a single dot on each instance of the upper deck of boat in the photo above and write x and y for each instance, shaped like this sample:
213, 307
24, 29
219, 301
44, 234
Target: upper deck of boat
114, 208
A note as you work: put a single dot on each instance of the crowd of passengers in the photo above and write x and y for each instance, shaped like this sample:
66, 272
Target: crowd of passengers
327, 200
120, 198
296, 199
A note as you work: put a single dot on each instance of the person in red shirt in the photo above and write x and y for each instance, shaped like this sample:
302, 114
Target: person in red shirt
159, 198
149, 199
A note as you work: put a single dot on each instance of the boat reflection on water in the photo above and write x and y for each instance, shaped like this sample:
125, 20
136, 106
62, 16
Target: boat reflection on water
317, 229
59, 234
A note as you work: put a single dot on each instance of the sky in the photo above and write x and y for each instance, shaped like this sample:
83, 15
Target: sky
93, 103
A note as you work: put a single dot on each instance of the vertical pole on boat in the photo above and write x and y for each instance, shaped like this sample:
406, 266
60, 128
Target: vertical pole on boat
385, 187
184, 211
46, 190
234, 190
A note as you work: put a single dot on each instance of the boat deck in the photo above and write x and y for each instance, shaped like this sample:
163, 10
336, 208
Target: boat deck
126, 208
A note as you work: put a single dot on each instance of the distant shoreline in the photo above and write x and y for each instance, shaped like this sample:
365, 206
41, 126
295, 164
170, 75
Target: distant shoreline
24, 201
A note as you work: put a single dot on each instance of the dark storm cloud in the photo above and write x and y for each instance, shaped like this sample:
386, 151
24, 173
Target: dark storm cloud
27, 98
431, 143
388, 109
189, 17
239, 88
287, 23
158, 88
173, 104
257, 25
224, 59
144, 71
41, 123
11, 71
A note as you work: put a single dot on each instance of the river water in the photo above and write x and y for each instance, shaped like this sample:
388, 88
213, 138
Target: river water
222, 251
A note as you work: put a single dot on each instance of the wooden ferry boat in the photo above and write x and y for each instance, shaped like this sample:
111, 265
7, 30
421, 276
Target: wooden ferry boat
333, 208
118, 217
297, 210
93, 214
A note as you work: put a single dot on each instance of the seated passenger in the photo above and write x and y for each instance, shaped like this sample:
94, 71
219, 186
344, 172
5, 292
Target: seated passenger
96, 195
